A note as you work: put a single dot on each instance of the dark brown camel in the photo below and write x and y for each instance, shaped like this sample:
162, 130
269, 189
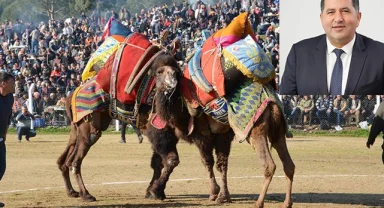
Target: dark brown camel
209, 134
86, 132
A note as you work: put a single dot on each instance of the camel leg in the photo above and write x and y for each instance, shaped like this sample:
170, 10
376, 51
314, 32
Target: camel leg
164, 144
223, 147
289, 168
61, 162
278, 141
138, 133
157, 166
259, 142
205, 147
84, 143
123, 129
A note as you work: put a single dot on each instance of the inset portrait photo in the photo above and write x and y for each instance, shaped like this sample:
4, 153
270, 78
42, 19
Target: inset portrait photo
332, 47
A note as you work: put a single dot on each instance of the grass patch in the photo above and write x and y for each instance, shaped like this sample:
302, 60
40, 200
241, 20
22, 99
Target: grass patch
66, 130
295, 132
332, 133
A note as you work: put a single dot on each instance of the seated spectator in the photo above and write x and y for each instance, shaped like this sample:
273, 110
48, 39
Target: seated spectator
306, 107
367, 107
52, 99
324, 105
61, 102
291, 109
339, 108
353, 109
23, 125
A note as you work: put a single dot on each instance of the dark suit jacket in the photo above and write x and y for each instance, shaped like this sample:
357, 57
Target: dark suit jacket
306, 68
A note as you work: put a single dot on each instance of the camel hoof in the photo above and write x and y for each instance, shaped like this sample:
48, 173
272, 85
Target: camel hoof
73, 194
140, 139
287, 205
259, 205
88, 198
214, 193
212, 197
73, 170
157, 196
223, 198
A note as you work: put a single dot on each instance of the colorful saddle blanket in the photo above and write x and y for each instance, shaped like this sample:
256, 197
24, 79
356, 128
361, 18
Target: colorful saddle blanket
247, 104
134, 48
88, 98
250, 59
113, 36
212, 74
101, 55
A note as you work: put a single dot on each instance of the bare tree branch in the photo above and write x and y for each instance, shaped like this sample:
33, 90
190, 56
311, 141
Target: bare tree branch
137, 2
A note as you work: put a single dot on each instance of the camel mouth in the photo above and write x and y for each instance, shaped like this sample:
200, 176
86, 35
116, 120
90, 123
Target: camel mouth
170, 84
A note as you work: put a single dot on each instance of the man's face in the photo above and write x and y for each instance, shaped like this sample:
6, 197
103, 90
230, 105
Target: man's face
340, 20
8, 86
24, 110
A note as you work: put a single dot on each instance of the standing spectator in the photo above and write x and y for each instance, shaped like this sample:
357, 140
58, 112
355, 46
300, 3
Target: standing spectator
23, 126
35, 35
7, 82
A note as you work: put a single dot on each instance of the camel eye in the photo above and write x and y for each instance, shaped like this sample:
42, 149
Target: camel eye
160, 71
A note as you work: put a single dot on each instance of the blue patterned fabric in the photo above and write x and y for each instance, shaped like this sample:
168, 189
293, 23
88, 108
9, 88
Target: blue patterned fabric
250, 59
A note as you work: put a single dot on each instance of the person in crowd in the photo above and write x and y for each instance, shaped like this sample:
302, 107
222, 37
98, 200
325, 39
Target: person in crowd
23, 126
339, 108
324, 106
367, 107
353, 109
306, 107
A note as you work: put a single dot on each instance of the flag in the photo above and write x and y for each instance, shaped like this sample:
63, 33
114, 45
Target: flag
114, 27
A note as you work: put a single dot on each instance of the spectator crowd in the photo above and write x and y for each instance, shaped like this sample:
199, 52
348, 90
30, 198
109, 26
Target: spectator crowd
330, 112
52, 54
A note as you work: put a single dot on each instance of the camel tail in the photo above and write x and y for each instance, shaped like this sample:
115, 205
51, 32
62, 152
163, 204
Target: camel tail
277, 124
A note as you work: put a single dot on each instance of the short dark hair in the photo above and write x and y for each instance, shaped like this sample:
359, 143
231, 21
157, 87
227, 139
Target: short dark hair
355, 4
4, 76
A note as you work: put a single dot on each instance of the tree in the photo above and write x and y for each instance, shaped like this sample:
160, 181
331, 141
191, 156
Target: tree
51, 7
20, 9
84, 5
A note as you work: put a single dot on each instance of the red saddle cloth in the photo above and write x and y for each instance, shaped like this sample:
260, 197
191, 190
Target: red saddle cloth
134, 49
213, 72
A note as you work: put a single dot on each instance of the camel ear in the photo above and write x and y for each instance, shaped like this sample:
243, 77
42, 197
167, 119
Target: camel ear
152, 71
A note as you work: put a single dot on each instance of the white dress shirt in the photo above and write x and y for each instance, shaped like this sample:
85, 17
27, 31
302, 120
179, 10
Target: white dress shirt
345, 58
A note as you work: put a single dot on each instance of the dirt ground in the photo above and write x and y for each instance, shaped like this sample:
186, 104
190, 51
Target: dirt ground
330, 172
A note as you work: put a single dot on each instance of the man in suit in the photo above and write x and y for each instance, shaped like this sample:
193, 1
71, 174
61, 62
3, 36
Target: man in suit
317, 66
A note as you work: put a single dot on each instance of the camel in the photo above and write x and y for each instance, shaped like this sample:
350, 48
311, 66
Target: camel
210, 134
87, 131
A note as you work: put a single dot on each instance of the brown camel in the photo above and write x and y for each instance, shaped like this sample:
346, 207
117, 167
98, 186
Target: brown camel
87, 131
209, 134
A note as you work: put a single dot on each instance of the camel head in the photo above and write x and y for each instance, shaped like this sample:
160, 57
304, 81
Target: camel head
167, 73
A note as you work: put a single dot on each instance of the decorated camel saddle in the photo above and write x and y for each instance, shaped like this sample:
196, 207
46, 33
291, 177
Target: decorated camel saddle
228, 78
117, 71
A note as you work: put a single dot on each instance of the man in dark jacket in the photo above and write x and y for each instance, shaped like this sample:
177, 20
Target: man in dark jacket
377, 127
7, 88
